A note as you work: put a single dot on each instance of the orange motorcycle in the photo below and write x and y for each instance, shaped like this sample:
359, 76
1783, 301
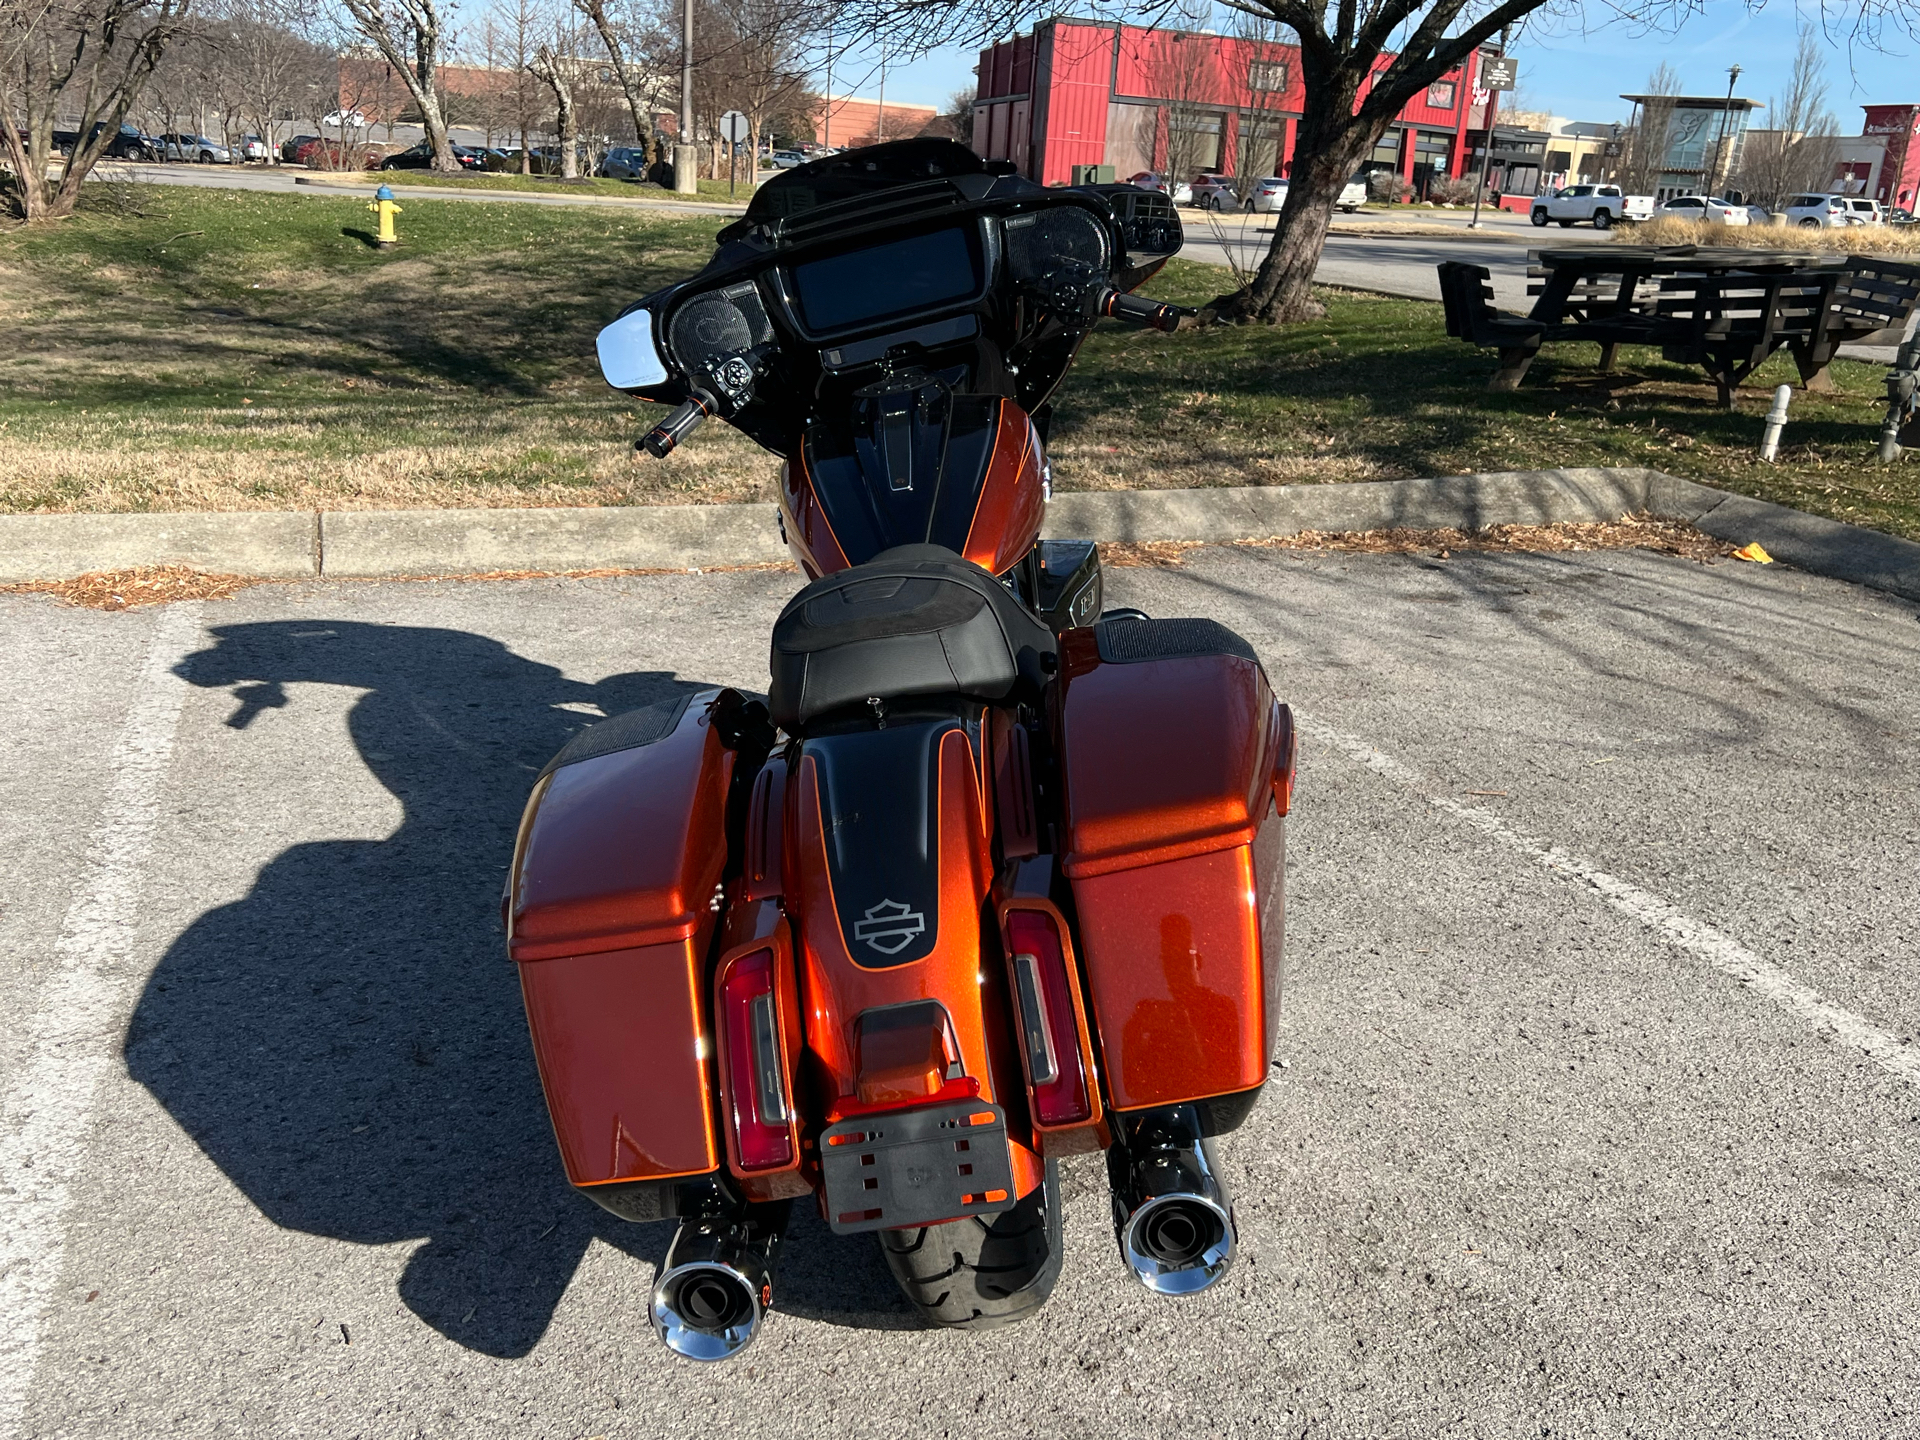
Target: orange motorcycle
989, 876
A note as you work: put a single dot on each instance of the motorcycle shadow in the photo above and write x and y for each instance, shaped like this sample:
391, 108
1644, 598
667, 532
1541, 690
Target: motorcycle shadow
347, 1041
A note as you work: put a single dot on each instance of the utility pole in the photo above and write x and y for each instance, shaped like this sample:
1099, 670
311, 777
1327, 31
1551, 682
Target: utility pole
826, 140
880, 124
1733, 74
685, 158
1493, 113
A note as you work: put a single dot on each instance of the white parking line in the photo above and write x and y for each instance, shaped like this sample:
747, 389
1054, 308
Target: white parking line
1897, 1056
73, 1040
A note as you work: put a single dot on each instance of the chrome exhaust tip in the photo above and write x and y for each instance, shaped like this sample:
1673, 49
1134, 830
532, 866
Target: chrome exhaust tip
1172, 1215
716, 1285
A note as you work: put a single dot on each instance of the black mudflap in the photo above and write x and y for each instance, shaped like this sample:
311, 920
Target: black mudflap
916, 1167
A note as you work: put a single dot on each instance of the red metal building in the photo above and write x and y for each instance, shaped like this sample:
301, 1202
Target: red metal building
1900, 171
1079, 92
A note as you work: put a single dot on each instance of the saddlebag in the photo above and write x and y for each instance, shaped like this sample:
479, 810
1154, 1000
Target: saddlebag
1177, 764
609, 920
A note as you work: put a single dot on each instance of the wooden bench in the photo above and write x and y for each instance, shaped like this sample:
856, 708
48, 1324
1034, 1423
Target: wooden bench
1729, 324
1466, 291
1871, 304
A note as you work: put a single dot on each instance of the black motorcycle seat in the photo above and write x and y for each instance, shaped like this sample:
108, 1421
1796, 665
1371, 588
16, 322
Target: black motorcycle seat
916, 620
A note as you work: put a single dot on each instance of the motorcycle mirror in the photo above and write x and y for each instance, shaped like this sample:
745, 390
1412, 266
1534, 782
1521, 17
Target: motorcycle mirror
628, 357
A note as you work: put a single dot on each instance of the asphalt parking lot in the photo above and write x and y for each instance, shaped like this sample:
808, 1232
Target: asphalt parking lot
1600, 1104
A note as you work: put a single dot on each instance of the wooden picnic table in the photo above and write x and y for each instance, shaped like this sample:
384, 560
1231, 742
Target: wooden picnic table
1723, 308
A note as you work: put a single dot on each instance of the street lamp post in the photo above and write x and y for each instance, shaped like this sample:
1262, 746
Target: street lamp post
1733, 75
685, 159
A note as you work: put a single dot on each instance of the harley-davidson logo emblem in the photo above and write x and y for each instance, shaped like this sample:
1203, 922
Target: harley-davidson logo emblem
890, 927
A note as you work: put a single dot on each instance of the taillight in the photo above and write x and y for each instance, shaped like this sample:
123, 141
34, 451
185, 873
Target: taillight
1056, 1074
1283, 769
756, 1073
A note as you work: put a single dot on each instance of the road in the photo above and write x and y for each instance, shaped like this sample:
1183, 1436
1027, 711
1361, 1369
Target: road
1598, 1116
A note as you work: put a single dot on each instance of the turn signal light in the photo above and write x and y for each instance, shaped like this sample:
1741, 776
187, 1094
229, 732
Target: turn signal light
1056, 1078
758, 1107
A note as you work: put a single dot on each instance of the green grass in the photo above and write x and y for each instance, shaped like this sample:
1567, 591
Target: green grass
710, 190
200, 349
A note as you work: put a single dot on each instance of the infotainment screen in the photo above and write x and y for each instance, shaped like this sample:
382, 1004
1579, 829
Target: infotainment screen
884, 282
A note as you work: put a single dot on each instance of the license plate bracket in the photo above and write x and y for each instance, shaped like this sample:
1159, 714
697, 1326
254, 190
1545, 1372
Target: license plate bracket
899, 1168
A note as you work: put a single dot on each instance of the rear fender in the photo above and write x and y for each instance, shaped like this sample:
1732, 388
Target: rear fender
887, 874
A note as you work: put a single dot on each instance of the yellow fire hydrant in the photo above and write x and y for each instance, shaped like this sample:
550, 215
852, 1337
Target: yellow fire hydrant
383, 206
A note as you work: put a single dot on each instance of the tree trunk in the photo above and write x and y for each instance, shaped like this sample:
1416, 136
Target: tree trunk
596, 11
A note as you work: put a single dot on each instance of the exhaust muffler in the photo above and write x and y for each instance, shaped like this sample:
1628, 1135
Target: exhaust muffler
716, 1284
1172, 1214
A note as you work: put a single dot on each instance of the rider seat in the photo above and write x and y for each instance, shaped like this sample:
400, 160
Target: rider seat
916, 620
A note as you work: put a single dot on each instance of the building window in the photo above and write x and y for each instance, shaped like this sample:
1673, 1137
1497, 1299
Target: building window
1267, 75
1440, 95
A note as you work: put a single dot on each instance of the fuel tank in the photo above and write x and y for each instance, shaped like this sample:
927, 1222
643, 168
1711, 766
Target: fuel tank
1177, 768
918, 464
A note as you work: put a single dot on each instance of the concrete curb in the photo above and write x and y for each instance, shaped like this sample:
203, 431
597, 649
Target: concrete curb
373, 543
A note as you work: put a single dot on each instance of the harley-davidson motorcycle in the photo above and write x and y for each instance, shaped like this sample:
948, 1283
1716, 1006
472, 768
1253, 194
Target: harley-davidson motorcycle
989, 876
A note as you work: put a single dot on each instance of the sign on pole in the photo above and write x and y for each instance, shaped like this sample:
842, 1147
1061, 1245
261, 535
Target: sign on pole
733, 129
1501, 72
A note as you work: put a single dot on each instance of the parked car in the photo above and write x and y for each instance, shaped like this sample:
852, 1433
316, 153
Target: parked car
1181, 194
251, 147
128, 144
1213, 191
1820, 211
290, 148
1759, 215
1269, 194
1602, 206
420, 157
1354, 194
625, 162
188, 147
1866, 212
786, 159
318, 154
1709, 209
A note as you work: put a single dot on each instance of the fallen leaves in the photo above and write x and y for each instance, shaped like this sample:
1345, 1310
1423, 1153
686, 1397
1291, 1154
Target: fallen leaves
132, 588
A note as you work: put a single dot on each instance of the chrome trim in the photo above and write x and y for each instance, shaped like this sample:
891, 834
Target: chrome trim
1172, 1215
1043, 1067
716, 1284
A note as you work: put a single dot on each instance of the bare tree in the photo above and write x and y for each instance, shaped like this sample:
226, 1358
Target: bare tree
959, 113
88, 58
1262, 123
1183, 70
409, 35
1796, 151
560, 72
1643, 159
637, 59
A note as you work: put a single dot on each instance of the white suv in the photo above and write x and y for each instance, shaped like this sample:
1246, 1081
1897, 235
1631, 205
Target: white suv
1822, 210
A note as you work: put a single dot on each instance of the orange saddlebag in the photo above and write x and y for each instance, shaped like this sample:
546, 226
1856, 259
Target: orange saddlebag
1177, 764
618, 857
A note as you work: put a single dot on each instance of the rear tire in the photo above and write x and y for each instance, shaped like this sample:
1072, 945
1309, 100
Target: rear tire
984, 1271
1603, 219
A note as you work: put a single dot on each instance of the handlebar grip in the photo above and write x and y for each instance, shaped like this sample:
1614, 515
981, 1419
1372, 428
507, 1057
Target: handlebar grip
1161, 316
681, 422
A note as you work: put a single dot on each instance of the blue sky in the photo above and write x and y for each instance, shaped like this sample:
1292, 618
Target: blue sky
1571, 74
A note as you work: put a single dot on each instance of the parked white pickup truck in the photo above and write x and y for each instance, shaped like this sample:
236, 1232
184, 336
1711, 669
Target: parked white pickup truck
1604, 205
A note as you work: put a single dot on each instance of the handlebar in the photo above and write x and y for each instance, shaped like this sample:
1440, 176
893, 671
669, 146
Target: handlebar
1159, 315
681, 422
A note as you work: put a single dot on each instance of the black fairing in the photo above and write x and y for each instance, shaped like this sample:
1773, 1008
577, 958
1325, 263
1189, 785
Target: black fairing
785, 367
